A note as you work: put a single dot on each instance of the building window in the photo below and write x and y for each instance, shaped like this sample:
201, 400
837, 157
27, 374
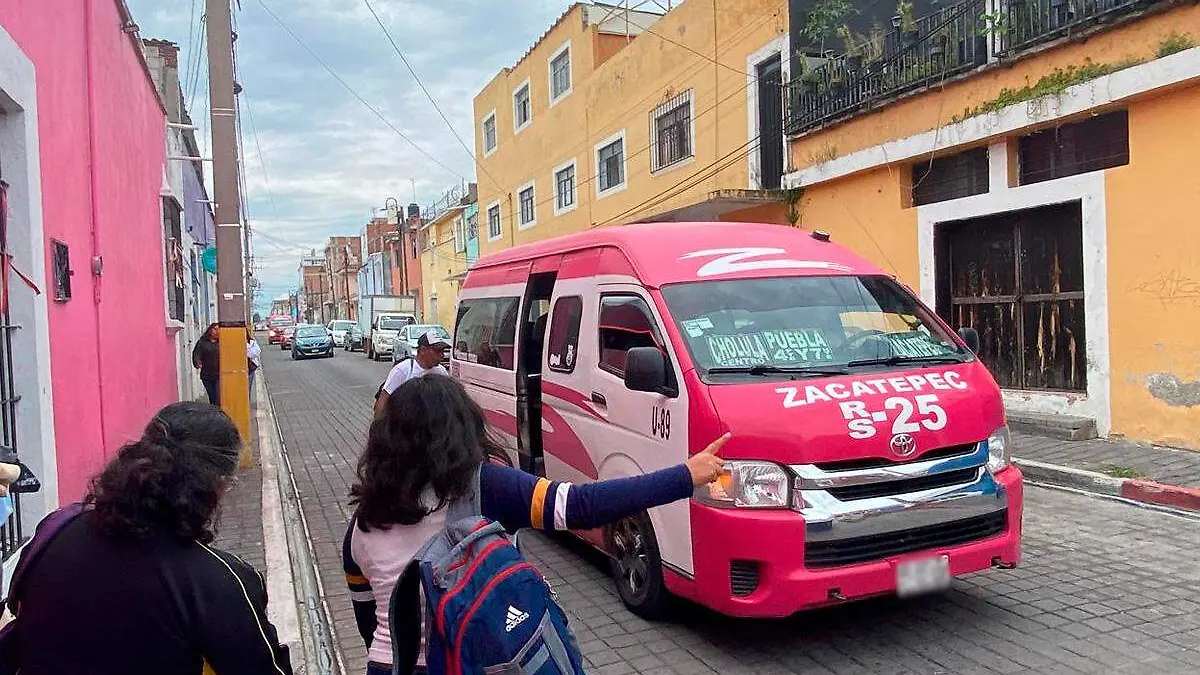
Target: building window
563, 346
412, 246
1017, 278
610, 164
560, 74
485, 331
489, 133
1091, 145
564, 188
671, 132
526, 197
522, 111
460, 234
171, 214
493, 214
951, 177
62, 270
625, 322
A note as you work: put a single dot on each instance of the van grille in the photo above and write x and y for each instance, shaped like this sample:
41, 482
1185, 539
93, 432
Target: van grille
743, 577
904, 486
876, 462
879, 546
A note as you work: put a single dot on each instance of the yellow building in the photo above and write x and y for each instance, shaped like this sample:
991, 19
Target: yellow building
1036, 180
617, 115
448, 246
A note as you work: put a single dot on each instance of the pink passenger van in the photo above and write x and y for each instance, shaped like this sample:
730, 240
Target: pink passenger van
869, 451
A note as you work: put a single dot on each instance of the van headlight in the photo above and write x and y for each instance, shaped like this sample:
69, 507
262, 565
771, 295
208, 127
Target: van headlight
999, 449
748, 484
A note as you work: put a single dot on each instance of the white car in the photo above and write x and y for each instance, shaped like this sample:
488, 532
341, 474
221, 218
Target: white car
339, 329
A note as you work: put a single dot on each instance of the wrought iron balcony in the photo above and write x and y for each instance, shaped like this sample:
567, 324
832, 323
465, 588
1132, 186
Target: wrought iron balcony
946, 43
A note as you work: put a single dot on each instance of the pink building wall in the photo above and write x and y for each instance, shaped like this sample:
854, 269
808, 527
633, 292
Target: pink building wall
102, 151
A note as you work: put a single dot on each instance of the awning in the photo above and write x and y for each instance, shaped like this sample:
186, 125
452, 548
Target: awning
717, 204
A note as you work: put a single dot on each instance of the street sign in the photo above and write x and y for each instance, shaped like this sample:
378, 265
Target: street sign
209, 259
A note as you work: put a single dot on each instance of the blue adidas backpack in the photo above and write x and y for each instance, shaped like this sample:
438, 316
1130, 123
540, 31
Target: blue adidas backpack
487, 610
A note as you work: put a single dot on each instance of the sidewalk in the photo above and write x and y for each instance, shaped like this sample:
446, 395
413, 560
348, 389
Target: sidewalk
1143, 473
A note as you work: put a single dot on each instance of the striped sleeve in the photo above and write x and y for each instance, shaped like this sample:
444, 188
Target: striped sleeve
234, 634
362, 598
518, 499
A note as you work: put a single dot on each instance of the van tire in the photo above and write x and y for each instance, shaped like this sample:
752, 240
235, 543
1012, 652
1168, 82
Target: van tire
637, 566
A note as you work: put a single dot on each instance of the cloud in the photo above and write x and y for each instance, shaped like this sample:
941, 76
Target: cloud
328, 159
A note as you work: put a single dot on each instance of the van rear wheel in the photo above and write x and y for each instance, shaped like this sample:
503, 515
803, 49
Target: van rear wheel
637, 566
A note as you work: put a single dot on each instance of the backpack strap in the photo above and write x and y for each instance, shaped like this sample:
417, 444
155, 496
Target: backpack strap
405, 620
50, 526
470, 504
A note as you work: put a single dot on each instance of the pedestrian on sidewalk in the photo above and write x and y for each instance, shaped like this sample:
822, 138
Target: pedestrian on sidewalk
129, 584
431, 351
206, 357
253, 357
423, 454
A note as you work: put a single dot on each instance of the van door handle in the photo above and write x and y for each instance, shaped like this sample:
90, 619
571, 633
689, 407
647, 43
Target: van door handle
599, 399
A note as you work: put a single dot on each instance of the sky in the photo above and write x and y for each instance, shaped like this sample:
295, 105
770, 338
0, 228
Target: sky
317, 160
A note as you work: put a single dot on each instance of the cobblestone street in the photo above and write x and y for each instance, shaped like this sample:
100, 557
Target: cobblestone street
1104, 588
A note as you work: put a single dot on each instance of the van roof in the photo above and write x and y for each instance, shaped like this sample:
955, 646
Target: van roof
664, 253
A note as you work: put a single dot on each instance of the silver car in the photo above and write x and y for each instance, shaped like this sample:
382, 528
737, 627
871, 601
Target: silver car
405, 345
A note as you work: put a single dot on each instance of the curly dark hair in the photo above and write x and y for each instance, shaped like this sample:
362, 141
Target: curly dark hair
429, 439
172, 478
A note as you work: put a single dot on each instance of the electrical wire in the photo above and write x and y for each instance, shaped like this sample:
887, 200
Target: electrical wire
187, 66
413, 72
355, 94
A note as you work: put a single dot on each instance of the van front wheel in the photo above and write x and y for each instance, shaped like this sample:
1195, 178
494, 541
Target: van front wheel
637, 566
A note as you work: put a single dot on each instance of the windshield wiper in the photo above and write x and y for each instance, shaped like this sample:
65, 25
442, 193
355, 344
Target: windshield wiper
768, 369
898, 360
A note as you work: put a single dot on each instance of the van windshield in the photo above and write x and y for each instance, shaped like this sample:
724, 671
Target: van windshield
393, 323
818, 325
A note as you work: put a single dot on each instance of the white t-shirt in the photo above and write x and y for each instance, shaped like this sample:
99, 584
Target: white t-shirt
406, 370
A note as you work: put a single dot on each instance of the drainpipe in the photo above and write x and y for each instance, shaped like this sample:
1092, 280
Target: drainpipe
96, 262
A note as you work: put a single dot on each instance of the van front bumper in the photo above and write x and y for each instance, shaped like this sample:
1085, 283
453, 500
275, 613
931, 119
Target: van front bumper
773, 563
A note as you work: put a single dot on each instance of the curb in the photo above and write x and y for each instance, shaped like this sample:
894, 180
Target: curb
1133, 489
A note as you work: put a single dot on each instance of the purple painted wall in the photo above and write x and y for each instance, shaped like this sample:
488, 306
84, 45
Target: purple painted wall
102, 156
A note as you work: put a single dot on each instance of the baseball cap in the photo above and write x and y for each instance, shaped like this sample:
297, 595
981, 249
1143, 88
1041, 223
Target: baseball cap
431, 338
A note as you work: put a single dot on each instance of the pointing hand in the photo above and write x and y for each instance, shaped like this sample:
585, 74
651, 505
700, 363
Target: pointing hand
706, 465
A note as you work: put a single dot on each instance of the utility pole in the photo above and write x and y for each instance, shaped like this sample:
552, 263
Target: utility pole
231, 280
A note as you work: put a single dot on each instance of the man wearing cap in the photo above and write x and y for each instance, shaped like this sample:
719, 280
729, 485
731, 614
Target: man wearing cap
431, 349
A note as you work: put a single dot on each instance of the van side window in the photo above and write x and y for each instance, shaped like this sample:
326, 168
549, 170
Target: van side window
486, 330
625, 322
563, 346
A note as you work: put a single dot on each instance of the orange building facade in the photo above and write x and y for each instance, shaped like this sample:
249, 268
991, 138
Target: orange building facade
1028, 167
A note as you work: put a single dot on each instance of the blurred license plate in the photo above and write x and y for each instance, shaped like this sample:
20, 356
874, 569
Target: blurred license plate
925, 575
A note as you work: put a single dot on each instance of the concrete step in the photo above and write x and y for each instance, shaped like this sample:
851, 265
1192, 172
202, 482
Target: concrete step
1065, 427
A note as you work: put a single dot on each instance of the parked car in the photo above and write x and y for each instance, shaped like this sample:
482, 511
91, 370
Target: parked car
339, 328
405, 344
275, 329
384, 329
312, 340
285, 337
354, 339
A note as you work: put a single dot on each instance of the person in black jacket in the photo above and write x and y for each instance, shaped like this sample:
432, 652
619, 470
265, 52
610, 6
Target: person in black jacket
132, 586
206, 357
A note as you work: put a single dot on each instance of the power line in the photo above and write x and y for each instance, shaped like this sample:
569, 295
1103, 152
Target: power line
187, 66
355, 94
428, 95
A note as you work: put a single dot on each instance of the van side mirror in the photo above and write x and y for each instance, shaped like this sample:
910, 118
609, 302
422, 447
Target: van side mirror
971, 337
646, 370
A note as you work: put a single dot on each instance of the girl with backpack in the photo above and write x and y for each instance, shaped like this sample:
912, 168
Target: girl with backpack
427, 452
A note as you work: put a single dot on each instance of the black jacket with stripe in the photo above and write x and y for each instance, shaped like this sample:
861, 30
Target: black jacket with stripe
98, 605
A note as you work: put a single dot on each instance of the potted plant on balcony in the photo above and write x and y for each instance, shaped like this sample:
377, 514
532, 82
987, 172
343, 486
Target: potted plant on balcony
938, 42
809, 77
906, 23
854, 55
837, 77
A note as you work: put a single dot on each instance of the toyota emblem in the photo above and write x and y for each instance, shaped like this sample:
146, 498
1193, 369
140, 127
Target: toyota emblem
903, 445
